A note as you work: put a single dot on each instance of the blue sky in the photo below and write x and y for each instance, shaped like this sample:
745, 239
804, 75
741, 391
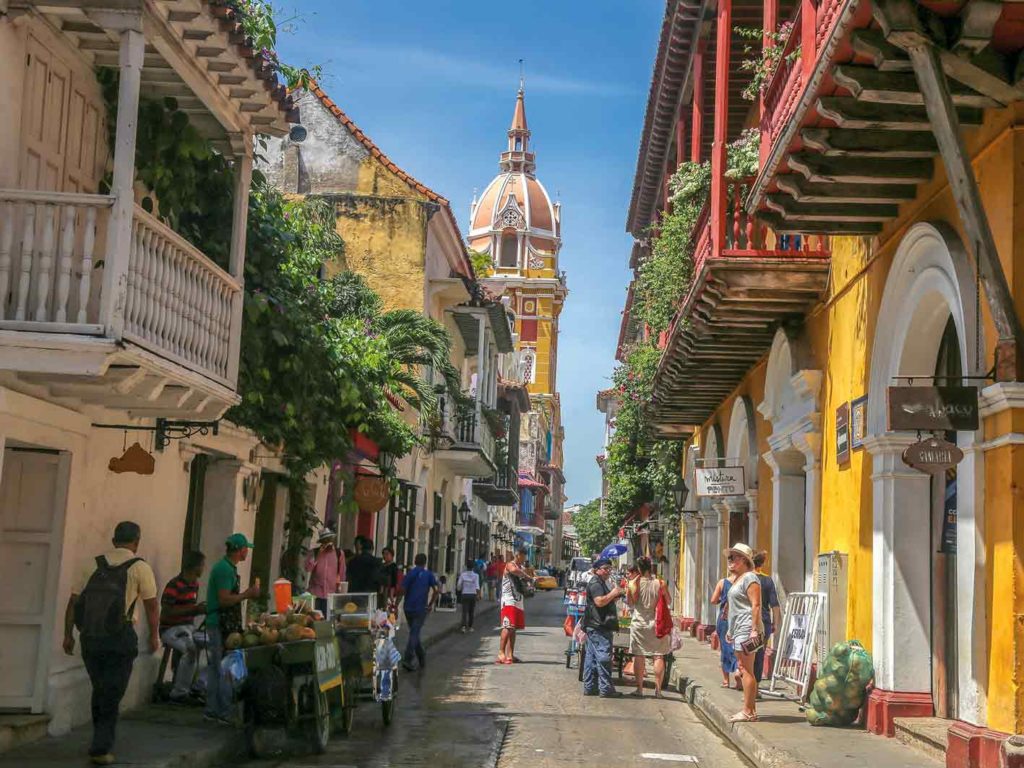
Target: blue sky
434, 85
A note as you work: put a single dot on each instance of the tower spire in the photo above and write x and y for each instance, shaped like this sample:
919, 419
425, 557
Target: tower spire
518, 156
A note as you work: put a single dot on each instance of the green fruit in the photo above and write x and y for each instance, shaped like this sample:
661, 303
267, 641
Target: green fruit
233, 641
249, 640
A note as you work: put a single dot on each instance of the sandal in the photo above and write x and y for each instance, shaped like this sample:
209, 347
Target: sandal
636, 695
515, 660
501, 660
743, 717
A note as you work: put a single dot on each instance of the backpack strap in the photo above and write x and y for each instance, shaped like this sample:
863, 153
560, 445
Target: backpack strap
126, 565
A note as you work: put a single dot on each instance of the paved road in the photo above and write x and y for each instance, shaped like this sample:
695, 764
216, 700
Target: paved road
464, 711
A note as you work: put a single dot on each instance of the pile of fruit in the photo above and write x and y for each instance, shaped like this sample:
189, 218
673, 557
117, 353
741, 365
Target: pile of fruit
273, 628
839, 693
348, 618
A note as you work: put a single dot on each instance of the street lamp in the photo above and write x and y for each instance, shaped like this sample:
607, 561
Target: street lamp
680, 492
464, 512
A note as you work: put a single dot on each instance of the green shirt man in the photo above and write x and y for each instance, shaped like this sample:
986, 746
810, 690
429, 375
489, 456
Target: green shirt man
222, 589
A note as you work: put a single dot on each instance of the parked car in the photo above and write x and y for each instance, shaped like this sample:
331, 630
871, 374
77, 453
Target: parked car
544, 580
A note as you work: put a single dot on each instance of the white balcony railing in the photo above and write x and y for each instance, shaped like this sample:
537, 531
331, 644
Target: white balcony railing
178, 304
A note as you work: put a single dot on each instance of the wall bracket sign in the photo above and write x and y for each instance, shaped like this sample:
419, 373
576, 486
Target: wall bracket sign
935, 409
720, 481
932, 455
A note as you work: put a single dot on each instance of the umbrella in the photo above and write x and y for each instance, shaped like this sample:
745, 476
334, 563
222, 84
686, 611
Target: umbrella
613, 550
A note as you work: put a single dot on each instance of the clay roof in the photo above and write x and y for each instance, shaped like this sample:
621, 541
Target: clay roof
392, 166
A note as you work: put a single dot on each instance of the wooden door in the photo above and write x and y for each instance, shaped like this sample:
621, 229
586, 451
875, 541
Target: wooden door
33, 495
44, 120
192, 537
263, 533
739, 529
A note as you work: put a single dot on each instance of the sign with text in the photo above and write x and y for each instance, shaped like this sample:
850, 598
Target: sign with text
843, 433
858, 422
932, 455
933, 408
720, 481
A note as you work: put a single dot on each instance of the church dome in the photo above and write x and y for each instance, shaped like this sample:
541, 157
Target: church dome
515, 205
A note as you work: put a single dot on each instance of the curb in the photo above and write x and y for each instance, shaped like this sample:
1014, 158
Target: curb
743, 736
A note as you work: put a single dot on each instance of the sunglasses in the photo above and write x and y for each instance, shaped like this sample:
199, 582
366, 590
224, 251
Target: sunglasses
735, 557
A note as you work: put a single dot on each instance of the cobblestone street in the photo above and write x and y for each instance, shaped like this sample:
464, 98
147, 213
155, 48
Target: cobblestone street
466, 712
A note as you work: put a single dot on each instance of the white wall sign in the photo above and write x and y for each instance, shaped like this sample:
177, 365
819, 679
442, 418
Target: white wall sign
720, 481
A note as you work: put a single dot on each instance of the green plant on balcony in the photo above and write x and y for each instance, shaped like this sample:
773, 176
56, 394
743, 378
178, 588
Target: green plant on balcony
762, 60
482, 265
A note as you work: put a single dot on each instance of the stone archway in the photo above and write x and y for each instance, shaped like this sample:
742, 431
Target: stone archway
711, 535
791, 406
741, 447
930, 284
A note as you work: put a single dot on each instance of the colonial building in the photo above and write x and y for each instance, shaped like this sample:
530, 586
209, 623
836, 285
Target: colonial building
877, 246
402, 237
119, 338
517, 225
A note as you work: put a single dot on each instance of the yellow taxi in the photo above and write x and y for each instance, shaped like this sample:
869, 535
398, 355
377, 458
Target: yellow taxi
544, 580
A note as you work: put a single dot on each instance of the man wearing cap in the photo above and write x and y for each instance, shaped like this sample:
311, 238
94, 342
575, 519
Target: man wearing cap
223, 616
600, 622
326, 568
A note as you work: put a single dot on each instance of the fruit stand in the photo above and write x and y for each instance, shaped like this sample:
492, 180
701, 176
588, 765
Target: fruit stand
365, 639
294, 681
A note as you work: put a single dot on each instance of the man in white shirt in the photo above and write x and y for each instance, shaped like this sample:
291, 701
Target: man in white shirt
468, 588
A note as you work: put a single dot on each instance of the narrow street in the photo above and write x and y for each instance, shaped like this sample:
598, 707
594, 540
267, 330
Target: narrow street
466, 712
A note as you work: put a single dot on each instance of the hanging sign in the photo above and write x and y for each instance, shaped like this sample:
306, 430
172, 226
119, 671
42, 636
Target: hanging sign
932, 455
843, 433
858, 422
720, 481
371, 492
933, 408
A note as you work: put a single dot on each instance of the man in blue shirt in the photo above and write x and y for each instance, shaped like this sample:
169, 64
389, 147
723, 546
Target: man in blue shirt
771, 613
419, 588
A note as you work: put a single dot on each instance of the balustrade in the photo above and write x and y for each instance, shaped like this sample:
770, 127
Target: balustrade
48, 244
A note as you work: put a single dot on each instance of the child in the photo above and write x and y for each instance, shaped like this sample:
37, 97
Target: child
445, 599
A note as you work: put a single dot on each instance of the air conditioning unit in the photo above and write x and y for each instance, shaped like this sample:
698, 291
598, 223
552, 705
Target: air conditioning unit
832, 581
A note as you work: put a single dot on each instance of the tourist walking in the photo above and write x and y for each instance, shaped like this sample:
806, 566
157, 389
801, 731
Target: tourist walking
467, 587
419, 592
364, 569
727, 658
224, 600
643, 593
513, 601
599, 623
746, 629
326, 568
179, 605
102, 608
495, 570
771, 610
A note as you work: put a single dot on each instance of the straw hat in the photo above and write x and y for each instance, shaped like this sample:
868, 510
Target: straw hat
743, 551
327, 535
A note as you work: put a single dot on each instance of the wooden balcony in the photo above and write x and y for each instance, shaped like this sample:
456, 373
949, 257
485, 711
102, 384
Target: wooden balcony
149, 333
499, 489
470, 447
727, 318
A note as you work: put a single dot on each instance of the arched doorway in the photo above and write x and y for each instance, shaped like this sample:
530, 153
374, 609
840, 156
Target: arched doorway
924, 598
741, 449
794, 456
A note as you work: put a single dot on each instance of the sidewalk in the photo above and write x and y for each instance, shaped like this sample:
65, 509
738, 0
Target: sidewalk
167, 736
782, 738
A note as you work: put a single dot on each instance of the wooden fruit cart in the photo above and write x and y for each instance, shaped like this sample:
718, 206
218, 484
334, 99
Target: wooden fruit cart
297, 685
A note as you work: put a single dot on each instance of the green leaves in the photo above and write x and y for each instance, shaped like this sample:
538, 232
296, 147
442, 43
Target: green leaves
594, 530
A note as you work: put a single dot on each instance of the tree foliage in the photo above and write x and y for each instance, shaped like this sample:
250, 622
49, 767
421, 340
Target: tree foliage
594, 530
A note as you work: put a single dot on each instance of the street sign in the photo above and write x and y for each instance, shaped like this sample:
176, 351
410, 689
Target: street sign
933, 408
720, 481
932, 455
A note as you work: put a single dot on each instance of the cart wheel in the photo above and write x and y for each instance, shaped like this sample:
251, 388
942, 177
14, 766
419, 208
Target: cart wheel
387, 711
320, 726
253, 733
568, 659
344, 723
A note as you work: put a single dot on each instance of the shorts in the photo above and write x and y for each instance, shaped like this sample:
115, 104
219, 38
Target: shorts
512, 618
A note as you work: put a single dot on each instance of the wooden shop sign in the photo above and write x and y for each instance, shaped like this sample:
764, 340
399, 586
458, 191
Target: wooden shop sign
720, 481
843, 433
371, 492
932, 455
933, 408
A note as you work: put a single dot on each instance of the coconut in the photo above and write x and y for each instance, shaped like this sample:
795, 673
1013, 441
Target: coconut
233, 641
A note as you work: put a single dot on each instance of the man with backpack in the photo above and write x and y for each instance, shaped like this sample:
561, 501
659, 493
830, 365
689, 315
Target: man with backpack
102, 608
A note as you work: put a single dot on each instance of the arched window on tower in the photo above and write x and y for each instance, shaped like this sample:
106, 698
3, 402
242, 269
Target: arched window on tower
509, 250
519, 144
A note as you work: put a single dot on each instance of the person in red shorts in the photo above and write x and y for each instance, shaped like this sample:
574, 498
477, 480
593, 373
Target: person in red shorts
513, 587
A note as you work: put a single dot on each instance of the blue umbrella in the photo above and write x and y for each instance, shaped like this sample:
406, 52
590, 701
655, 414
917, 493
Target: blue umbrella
613, 550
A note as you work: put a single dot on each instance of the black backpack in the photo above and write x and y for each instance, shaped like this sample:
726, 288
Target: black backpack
99, 611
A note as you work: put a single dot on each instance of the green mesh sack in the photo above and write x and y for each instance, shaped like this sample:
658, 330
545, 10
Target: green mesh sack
838, 694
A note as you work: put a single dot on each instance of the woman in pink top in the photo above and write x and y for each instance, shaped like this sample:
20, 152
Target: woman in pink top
326, 567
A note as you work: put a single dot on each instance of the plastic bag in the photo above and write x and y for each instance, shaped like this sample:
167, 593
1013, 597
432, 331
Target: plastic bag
233, 669
677, 638
568, 625
839, 693
579, 635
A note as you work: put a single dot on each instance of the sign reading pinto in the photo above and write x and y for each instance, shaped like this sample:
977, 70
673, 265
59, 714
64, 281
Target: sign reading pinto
720, 481
933, 408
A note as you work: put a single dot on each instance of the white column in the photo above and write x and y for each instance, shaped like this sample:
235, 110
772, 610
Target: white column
691, 561
752, 518
119, 227
788, 510
809, 443
901, 499
239, 221
972, 607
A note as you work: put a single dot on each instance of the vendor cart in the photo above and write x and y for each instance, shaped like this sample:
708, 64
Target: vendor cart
368, 656
298, 685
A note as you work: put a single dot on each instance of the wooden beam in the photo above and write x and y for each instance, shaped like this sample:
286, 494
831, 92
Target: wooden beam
845, 142
859, 170
697, 114
977, 23
795, 211
885, 56
816, 192
870, 85
785, 226
847, 112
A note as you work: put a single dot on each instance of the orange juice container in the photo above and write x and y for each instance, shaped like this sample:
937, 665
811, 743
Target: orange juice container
282, 595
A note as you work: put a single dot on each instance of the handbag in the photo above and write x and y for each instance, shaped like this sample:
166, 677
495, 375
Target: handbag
752, 645
662, 614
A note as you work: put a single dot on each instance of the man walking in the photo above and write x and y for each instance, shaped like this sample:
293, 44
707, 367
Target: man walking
419, 588
513, 617
364, 570
179, 605
495, 568
102, 607
468, 589
600, 622
224, 616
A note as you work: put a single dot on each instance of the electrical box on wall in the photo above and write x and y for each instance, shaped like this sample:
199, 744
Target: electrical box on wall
832, 581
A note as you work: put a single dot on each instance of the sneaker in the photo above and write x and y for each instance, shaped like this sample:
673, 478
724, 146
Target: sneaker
107, 759
408, 667
219, 719
462, 630
612, 695
590, 693
472, 630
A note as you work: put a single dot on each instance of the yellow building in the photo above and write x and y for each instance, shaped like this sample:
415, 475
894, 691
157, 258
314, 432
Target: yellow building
859, 261
402, 237
517, 225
